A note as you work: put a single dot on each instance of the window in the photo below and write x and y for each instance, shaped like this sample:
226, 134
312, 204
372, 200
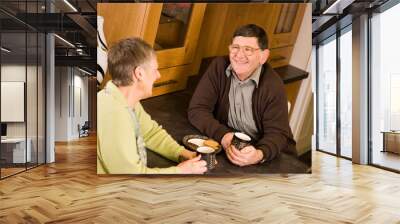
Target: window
385, 89
22, 66
334, 106
327, 96
346, 92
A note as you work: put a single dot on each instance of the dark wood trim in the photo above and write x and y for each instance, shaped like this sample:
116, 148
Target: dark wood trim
290, 73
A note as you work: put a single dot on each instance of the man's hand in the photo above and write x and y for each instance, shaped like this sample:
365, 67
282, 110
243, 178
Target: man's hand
186, 154
193, 166
226, 140
247, 156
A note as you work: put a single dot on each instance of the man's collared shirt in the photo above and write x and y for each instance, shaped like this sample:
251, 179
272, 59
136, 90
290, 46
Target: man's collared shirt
240, 102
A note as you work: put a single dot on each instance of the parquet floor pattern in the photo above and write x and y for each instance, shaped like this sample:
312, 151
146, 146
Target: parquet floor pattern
69, 191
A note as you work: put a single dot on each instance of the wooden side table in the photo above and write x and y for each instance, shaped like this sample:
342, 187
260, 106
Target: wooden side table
391, 141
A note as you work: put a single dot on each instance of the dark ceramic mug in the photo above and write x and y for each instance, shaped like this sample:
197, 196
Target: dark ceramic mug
240, 140
208, 155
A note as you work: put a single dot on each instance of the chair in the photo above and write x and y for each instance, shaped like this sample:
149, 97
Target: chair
84, 130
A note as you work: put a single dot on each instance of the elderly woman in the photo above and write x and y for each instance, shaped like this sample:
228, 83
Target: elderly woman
124, 128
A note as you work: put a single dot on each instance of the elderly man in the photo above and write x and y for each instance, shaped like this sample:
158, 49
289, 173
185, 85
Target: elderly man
124, 128
243, 93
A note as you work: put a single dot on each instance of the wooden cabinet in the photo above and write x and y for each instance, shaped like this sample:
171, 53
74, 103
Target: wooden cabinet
175, 39
171, 28
285, 27
391, 141
123, 20
284, 30
184, 33
280, 56
281, 21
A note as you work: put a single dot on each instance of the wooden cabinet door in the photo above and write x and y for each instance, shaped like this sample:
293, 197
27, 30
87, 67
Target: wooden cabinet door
286, 23
173, 30
288, 18
123, 20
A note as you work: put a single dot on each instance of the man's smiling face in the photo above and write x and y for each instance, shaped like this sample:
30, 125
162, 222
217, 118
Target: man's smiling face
246, 56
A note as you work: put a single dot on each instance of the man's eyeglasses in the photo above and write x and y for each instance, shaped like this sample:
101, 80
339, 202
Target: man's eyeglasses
248, 51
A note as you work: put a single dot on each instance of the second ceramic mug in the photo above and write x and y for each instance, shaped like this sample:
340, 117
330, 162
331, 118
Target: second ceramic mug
240, 140
208, 155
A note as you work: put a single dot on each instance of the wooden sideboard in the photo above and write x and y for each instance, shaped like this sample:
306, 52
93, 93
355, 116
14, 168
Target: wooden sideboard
391, 141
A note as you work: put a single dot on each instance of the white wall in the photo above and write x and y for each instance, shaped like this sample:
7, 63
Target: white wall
300, 120
302, 49
81, 82
71, 102
12, 73
33, 127
62, 81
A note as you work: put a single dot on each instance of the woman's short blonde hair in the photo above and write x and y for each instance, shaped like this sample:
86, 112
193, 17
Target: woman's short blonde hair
125, 56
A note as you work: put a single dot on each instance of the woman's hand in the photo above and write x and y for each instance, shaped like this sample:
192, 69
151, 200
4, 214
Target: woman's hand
193, 166
186, 154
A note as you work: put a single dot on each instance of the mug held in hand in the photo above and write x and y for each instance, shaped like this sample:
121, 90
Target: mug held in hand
240, 140
208, 155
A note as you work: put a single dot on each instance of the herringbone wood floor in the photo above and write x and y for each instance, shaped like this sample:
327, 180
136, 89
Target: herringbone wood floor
69, 191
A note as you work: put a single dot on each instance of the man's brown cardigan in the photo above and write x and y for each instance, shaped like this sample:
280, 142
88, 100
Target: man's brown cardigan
209, 108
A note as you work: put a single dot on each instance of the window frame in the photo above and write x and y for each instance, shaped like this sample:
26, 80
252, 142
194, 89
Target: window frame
334, 37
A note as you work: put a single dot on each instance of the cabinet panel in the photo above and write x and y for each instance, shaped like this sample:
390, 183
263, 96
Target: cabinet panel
180, 52
241, 14
281, 22
280, 56
172, 79
287, 22
122, 20
150, 24
154, 22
